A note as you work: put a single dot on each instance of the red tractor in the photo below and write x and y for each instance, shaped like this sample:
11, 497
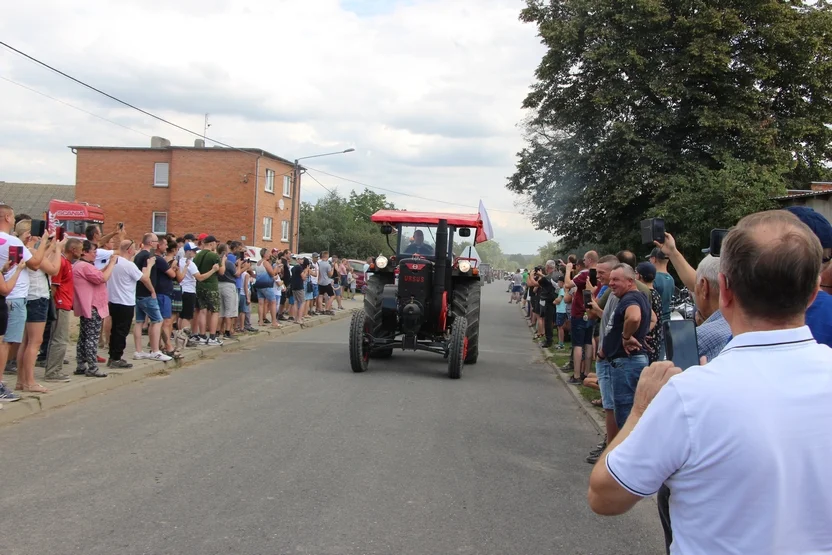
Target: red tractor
420, 297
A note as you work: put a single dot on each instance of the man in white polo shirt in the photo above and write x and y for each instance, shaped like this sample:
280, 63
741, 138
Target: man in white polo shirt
743, 442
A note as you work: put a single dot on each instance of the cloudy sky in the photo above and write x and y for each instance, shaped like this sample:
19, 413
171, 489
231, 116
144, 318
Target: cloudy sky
428, 92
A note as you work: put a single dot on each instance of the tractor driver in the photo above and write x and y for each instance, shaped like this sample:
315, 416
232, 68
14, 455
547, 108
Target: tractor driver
418, 245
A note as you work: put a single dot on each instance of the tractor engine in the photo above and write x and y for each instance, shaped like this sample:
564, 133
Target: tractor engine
414, 293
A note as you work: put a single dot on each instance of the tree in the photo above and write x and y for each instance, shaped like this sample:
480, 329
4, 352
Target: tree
342, 226
694, 110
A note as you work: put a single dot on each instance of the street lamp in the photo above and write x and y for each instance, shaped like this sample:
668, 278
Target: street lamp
295, 192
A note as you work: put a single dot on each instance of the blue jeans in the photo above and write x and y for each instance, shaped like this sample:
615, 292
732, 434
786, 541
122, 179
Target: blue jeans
625, 374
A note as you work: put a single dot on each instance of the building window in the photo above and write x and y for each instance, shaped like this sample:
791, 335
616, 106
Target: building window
267, 229
284, 231
270, 181
287, 186
160, 174
160, 222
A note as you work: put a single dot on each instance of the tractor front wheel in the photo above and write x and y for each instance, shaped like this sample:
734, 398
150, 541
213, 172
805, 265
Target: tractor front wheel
359, 342
457, 348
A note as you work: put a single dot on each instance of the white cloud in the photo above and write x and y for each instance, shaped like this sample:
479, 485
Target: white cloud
427, 91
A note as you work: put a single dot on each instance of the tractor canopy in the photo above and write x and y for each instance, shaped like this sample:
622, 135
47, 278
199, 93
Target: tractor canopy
396, 217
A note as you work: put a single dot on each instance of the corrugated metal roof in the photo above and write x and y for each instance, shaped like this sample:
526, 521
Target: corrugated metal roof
33, 198
803, 195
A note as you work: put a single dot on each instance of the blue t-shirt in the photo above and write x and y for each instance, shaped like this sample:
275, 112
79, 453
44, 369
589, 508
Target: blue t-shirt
613, 347
665, 285
819, 318
561, 308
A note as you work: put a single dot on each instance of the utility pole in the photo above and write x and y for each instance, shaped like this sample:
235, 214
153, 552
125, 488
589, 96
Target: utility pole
205, 130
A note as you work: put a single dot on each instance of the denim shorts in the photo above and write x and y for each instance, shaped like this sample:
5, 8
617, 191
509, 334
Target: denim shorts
265, 293
310, 295
560, 319
37, 310
315, 290
17, 320
604, 372
581, 332
625, 374
244, 306
148, 308
165, 306
517, 289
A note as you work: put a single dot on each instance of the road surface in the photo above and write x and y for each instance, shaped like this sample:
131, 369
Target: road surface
282, 449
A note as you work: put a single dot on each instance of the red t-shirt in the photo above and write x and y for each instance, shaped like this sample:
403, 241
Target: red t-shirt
65, 290
578, 298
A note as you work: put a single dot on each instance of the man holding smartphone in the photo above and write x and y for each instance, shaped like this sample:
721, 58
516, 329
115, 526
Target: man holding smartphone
581, 329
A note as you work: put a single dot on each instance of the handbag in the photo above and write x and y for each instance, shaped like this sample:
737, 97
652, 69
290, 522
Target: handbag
309, 288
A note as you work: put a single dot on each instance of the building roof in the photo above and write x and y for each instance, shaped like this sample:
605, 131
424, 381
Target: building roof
256, 151
794, 193
33, 198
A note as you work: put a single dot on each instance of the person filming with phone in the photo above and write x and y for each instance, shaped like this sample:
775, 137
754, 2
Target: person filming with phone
745, 472
548, 292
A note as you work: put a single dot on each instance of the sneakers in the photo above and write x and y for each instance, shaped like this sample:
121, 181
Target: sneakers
214, 342
575, 381
141, 355
11, 368
57, 378
100, 359
560, 347
95, 372
160, 356
595, 454
120, 363
7, 395
80, 371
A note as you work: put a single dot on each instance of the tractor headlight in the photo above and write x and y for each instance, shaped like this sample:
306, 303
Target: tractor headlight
464, 266
381, 262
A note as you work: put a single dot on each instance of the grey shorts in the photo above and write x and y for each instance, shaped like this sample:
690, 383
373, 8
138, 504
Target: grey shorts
229, 300
17, 321
300, 296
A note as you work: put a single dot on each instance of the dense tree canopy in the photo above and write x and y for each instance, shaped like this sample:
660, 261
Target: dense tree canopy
694, 110
342, 225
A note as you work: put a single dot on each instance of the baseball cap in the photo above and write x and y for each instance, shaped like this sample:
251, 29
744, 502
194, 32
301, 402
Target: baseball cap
209, 239
315, 255
646, 270
202, 236
294, 257
657, 253
275, 251
190, 246
819, 225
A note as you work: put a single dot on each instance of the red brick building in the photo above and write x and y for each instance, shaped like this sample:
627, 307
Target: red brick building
245, 194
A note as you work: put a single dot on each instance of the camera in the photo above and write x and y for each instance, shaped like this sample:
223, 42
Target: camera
652, 229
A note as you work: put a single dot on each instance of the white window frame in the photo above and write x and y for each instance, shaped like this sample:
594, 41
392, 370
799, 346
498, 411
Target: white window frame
287, 186
269, 181
268, 224
284, 231
153, 223
157, 182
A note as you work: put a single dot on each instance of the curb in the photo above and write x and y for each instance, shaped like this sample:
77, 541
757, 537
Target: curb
587, 408
35, 404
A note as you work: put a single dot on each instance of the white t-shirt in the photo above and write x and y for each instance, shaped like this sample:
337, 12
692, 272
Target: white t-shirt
121, 287
102, 257
743, 443
190, 270
21, 288
314, 268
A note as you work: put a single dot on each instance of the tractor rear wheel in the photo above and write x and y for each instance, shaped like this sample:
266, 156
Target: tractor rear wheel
466, 303
359, 342
457, 348
372, 308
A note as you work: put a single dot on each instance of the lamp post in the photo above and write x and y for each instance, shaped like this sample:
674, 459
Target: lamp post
296, 191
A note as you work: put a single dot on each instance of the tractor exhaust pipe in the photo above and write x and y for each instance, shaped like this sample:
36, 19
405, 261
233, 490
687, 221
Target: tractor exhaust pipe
441, 272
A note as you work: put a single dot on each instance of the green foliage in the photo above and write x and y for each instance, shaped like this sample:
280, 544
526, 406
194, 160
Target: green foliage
694, 110
342, 226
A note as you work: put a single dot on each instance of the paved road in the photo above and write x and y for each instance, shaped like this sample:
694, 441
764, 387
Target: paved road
282, 449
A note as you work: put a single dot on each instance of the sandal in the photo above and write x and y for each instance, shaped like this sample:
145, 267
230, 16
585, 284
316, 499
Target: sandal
34, 388
597, 403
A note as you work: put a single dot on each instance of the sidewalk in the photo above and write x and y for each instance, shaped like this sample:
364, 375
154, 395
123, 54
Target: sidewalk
63, 393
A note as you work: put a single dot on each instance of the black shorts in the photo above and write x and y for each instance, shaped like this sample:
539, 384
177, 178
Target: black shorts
188, 306
326, 290
37, 310
4, 315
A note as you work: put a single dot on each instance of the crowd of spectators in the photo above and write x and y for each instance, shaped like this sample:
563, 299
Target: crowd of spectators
177, 291
618, 308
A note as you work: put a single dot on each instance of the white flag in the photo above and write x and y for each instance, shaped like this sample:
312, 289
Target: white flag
488, 231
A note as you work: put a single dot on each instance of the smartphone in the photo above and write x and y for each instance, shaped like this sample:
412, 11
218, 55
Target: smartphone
652, 229
587, 298
38, 228
680, 342
15, 254
121, 225
59, 233
717, 236
593, 276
